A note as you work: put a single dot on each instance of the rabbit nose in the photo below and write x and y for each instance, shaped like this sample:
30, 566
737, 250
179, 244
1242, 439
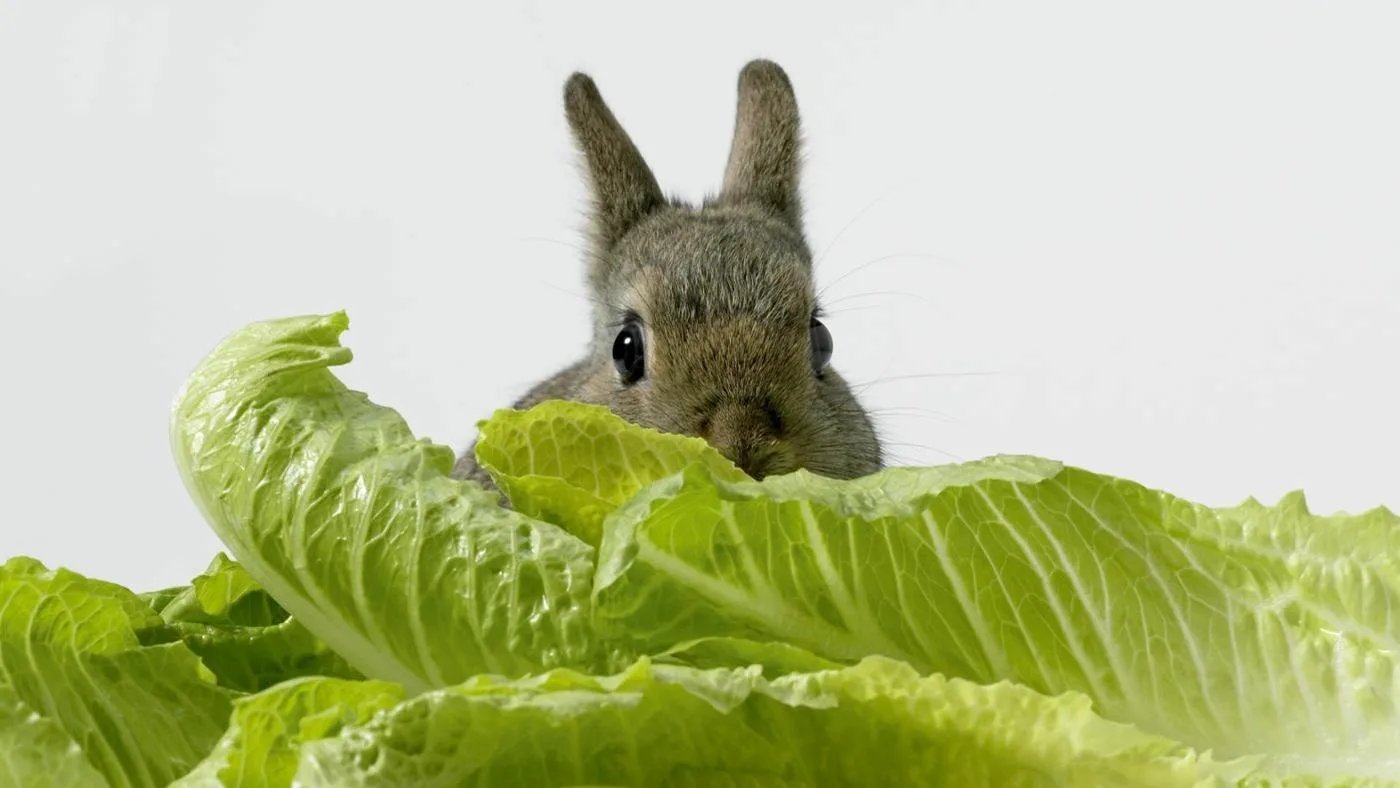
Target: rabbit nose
747, 433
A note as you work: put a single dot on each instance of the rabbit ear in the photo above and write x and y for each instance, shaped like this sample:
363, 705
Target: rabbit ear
764, 157
624, 190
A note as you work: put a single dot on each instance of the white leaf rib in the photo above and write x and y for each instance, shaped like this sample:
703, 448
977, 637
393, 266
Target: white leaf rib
1122, 676
862, 621
999, 577
1071, 632
916, 624
992, 651
755, 577
415, 602
784, 621
1300, 679
1164, 589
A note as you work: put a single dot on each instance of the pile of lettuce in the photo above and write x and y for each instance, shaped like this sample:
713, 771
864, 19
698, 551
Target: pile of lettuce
644, 614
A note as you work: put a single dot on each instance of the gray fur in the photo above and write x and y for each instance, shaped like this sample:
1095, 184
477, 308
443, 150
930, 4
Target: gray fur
724, 291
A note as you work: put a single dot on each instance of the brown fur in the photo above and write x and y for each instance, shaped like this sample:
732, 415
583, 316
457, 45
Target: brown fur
724, 291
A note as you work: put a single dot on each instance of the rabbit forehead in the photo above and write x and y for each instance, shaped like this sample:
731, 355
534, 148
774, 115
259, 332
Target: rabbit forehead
735, 356
685, 267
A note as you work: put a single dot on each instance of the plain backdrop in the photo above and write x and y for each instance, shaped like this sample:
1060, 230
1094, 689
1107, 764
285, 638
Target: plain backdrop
1160, 241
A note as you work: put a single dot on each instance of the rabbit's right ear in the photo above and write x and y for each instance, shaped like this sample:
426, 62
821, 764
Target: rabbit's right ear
624, 189
764, 158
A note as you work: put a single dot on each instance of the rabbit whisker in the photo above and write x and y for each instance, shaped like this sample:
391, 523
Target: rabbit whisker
877, 293
925, 376
568, 244
883, 259
862, 212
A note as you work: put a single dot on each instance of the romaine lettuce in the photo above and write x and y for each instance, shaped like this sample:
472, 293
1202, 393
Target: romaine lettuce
355, 527
1252, 630
242, 634
646, 614
262, 746
876, 723
570, 464
94, 689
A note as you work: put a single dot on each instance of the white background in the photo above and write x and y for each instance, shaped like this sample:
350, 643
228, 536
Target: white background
1168, 238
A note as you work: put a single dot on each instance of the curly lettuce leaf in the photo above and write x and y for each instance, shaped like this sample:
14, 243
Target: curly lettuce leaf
240, 632
227, 592
356, 528
88, 676
772, 658
877, 723
36, 751
263, 743
1250, 630
568, 463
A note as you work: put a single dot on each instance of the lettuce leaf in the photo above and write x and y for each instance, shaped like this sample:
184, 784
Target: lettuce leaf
876, 723
242, 634
772, 658
263, 743
356, 527
999, 621
568, 463
1250, 630
92, 691
35, 750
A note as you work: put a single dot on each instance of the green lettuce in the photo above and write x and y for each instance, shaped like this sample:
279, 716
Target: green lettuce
36, 750
93, 690
240, 632
643, 613
569, 464
262, 746
356, 528
1250, 630
876, 723
1253, 629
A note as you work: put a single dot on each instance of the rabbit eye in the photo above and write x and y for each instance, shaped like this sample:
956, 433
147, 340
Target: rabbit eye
628, 355
821, 346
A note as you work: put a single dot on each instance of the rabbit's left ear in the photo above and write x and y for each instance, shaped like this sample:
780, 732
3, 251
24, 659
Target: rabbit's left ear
624, 190
764, 158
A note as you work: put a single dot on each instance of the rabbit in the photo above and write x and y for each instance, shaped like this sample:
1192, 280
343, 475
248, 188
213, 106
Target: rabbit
706, 321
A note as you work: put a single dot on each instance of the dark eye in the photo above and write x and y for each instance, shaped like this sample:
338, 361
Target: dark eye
821, 346
628, 355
